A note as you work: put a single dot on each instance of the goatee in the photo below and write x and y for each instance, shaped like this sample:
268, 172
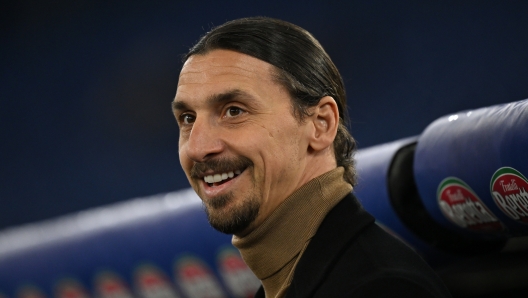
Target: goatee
231, 219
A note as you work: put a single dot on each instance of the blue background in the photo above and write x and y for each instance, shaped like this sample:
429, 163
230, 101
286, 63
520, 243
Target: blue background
86, 86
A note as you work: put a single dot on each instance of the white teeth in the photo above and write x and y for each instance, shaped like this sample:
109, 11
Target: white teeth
220, 177
217, 178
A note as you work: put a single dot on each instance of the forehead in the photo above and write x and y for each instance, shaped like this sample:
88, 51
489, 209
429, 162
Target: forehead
220, 70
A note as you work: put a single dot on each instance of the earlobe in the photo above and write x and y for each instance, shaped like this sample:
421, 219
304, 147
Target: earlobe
325, 119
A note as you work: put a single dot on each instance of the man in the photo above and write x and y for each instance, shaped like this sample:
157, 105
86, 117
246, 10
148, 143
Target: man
261, 110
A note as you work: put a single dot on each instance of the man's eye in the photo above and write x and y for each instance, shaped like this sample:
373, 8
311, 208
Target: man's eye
233, 111
187, 119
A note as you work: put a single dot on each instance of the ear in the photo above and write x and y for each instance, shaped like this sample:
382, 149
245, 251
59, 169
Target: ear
325, 119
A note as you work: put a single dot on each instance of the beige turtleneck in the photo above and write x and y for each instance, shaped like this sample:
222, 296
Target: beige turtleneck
273, 249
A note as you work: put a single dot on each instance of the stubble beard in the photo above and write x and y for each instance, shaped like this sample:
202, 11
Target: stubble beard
224, 212
231, 219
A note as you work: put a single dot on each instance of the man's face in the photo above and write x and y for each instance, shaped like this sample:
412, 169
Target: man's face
240, 145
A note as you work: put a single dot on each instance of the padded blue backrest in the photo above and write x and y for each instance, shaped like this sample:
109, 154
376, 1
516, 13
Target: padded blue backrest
471, 170
386, 184
155, 247
373, 166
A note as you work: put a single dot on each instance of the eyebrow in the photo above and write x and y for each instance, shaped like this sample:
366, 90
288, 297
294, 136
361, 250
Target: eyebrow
214, 99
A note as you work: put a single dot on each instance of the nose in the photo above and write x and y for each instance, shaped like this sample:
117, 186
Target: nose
204, 141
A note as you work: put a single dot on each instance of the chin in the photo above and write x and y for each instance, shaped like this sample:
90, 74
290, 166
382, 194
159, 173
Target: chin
231, 219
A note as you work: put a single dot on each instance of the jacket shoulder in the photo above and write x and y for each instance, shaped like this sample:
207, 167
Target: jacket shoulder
378, 265
350, 255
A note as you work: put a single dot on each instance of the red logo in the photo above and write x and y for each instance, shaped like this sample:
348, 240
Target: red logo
236, 275
70, 288
150, 282
195, 279
111, 285
509, 191
462, 206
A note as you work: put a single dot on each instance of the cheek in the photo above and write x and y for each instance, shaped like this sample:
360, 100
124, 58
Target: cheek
282, 154
185, 162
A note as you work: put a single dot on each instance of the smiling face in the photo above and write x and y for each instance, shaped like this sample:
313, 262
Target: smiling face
240, 146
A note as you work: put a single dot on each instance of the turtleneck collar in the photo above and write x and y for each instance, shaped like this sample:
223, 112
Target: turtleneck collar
273, 248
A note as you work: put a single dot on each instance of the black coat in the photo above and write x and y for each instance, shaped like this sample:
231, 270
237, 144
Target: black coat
351, 256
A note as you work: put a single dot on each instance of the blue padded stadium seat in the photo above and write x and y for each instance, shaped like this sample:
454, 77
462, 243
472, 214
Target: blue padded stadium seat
471, 170
154, 247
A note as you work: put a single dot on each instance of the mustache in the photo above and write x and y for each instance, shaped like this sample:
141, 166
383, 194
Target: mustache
220, 165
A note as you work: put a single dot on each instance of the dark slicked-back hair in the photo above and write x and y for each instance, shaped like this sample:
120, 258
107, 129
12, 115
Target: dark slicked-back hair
302, 67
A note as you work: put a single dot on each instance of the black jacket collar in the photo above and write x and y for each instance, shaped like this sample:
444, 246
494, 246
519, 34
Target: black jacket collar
340, 227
